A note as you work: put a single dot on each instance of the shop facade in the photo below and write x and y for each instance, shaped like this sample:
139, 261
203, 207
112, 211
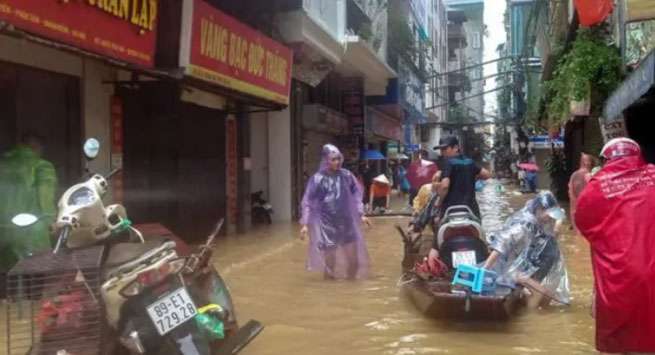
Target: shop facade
166, 89
284, 147
55, 61
627, 112
198, 164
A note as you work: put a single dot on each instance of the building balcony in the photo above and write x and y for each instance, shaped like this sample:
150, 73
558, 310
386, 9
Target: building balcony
357, 12
361, 60
319, 118
323, 29
456, 16
456, 31
459, 80
456, 36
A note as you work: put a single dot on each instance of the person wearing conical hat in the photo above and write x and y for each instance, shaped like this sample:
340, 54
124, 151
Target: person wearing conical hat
380, 193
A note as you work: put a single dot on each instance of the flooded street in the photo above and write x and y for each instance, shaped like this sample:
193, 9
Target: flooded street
303, 314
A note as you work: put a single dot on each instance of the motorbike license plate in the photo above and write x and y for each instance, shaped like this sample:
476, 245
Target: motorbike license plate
467, 257
172, 310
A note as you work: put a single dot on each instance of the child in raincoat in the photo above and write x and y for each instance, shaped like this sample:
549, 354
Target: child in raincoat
332, 211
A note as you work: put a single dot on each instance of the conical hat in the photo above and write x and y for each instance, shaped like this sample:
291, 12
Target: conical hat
382, 179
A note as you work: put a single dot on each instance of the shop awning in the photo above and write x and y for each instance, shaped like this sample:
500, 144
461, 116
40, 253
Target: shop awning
361, 60
372, 154
383, 125
634, 87
639, 10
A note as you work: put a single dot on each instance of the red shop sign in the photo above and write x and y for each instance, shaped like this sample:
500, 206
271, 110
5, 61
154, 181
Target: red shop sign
221, 50
119, 29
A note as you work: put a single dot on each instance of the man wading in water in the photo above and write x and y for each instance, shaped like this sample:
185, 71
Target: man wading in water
332, 211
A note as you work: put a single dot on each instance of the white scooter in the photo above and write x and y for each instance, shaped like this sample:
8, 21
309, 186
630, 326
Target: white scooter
105, 289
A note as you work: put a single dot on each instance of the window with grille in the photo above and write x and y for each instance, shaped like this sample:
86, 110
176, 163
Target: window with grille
475, 40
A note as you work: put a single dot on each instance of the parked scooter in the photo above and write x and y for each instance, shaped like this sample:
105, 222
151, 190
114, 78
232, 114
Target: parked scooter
106, 289
261, 210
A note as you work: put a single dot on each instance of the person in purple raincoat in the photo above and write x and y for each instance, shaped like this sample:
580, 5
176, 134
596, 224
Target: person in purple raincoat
332, 211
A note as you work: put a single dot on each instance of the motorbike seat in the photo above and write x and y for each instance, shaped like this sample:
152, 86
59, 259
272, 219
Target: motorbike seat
459, 225
468, 230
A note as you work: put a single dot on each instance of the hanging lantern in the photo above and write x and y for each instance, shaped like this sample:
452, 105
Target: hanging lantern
593, 12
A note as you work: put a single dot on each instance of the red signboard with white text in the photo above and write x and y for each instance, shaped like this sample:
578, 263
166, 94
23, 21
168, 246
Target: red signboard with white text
125, 30
221, 50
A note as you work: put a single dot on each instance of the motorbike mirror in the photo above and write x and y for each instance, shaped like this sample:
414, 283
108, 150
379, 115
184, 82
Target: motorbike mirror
91, 148
214, 233
24, 219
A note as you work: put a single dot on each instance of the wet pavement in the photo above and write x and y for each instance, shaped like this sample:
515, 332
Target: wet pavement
303, 314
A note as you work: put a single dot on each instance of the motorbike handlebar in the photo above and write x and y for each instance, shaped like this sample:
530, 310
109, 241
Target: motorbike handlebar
63, 239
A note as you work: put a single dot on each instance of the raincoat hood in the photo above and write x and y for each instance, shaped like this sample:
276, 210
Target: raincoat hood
328, 153
21, 152
620, 148
547, 201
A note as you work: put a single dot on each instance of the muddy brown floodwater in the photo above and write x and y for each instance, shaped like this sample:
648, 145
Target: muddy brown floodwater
303, 314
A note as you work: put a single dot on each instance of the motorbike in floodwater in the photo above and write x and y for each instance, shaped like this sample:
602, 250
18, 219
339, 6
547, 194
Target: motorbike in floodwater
108, 288
460, 241
460, 238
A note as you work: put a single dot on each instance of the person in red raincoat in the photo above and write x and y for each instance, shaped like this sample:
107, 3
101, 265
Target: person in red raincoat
615, 214
420, 172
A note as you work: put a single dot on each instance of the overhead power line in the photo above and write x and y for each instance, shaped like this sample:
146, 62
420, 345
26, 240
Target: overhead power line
474, 66
470, 97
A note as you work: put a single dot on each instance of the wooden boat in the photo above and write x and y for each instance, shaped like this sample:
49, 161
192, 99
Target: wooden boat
437, 298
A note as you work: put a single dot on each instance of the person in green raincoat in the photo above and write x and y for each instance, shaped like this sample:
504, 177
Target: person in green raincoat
27, 185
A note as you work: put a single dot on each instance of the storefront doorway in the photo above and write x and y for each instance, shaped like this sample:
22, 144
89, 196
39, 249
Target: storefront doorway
174, 160
45, 103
